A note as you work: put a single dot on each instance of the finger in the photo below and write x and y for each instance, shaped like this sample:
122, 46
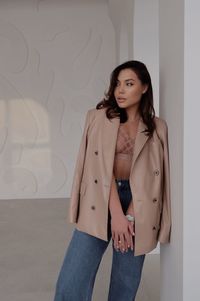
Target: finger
114, 238
127, 245
134, 228
116, 243
131, 228
131, 244
113, 235
122, 243
131, 233
127, 240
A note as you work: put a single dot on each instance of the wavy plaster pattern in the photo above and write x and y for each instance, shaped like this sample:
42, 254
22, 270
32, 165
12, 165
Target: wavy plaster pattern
44, 93
14, 46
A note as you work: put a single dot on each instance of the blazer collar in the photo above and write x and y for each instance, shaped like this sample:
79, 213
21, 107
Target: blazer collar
110, 132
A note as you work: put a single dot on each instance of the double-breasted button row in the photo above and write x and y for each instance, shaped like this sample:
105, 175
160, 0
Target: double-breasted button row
156, 172
95, 181
154, 200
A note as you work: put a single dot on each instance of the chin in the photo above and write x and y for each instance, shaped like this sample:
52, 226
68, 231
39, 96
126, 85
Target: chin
122, 104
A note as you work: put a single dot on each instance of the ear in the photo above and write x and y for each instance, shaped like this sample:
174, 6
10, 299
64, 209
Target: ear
145, 89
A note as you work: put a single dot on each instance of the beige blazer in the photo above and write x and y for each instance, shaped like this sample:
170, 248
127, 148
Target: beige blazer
149, 181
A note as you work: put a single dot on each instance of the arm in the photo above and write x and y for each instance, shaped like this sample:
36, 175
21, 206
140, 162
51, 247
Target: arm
165, 227
121, 228
114, 202
74, 198
130, 209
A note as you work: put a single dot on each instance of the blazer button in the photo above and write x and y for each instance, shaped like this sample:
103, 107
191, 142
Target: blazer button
93, 207
154, 200
154, 228
156, 172
96, 152
95, 181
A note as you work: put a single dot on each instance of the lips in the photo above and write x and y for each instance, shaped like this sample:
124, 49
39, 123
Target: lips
121, 99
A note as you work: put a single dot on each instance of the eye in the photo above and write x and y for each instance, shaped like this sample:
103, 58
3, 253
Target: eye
129, 84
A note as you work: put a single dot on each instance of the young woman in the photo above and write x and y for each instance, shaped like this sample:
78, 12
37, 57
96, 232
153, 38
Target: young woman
120, 190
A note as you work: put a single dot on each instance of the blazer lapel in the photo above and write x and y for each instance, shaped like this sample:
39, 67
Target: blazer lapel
108, 140
140, 141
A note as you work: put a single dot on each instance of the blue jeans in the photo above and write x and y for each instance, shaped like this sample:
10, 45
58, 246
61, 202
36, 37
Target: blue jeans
82, 259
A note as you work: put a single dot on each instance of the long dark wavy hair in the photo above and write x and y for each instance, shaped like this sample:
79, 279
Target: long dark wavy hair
146, 109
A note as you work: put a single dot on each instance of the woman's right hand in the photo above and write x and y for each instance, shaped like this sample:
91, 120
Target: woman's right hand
121, 234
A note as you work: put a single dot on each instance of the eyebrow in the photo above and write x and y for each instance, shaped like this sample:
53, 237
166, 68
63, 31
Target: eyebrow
126, 80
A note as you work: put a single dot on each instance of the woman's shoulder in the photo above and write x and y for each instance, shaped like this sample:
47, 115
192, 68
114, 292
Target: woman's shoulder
161, 128
96, 112
160, 123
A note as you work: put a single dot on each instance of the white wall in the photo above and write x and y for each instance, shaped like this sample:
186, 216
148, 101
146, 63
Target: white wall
137, 35
121, 14
146, 41
55, 62
191, 236
179, 77
171, 108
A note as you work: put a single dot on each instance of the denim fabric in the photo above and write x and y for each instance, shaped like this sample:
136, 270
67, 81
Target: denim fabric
82, 259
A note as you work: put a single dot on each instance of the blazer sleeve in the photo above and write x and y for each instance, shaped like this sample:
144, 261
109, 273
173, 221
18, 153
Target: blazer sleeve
165, 222
78, 171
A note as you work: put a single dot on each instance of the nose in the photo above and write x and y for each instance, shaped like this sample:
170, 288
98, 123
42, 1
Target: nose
121, 89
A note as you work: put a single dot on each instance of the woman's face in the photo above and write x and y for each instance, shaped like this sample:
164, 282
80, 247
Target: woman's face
129, 89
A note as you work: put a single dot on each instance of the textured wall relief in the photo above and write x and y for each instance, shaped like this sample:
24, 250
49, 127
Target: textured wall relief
55, 58
14, 48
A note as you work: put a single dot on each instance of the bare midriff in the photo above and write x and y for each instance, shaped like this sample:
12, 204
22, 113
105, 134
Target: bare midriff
123, 155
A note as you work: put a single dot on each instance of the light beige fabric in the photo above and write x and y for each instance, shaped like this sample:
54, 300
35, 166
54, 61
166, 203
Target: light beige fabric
149, 181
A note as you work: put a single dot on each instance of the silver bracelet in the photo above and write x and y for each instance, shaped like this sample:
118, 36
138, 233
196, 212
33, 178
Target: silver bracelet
130, 218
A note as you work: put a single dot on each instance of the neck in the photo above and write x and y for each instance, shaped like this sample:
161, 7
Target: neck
133, 115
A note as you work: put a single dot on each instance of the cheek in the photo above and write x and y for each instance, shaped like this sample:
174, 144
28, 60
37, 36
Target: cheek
136, 93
